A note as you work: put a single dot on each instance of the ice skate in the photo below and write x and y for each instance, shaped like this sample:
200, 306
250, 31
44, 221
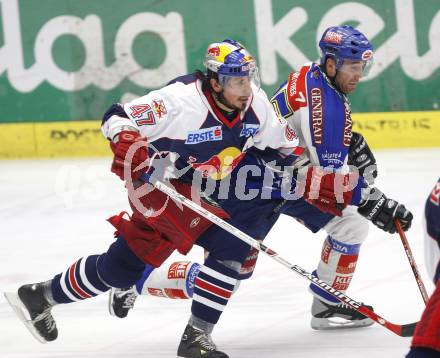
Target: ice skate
197, 344
33, 309
121, 300
326, 316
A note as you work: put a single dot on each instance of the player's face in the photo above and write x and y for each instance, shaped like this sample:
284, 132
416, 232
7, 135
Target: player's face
237, 91
348, 76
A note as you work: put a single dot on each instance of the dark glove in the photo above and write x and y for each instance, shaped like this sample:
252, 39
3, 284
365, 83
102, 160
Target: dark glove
360, 155
321, 190
382, 212
121, 147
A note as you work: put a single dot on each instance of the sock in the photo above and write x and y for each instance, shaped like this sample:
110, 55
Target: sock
78, 282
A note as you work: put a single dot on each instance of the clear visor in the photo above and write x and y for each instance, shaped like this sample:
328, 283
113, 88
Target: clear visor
240, 85
356, 68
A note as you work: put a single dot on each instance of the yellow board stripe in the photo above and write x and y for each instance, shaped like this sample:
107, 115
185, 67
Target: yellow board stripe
399, 129
84, 138
52, 139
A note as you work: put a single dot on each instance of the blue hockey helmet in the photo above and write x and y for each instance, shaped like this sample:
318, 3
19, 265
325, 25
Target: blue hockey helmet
229, 59
346, 43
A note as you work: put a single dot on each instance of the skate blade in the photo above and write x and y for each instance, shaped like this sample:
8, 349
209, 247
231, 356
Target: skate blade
339, 323
23, 314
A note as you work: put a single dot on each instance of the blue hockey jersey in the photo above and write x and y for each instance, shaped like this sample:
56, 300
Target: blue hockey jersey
432, 232
321, 118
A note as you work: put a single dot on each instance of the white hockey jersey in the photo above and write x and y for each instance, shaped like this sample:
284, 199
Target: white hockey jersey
181, 121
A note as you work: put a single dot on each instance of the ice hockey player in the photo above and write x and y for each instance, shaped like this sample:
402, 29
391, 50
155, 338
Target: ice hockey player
203, 120
426, 340
314, 100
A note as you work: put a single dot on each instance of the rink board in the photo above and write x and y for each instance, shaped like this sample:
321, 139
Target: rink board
399, 129
84, 138
52, 139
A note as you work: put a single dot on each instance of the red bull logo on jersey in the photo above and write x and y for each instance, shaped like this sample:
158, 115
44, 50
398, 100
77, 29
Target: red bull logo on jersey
220, 165
159, 108
204, 135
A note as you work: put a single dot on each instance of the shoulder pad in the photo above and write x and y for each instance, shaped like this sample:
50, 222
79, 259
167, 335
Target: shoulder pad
280, 103
186, 79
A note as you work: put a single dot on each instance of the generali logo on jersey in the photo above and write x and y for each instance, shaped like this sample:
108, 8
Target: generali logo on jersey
348, 124
316, 107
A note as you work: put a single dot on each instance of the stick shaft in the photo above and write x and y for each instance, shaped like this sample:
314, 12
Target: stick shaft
412, 262
401, 330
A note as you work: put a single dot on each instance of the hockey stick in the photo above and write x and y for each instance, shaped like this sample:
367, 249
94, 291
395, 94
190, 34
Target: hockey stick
405, 330
412, 262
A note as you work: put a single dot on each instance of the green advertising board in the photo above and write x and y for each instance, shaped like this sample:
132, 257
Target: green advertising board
70, 59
